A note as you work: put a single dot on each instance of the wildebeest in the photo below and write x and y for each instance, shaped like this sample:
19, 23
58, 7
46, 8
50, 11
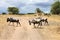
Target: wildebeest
43, 19
13, 20
38, 21
35, 22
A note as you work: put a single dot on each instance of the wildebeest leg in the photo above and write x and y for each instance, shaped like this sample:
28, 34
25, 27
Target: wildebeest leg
20, 23
38, 25
13, 23
29, 23
9, 23
46, 22
34, 25
17, 24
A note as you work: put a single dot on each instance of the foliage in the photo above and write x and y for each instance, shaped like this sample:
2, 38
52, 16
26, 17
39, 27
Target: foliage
55, 9
30, 13
13, 10
21, 14
3, 13
38, 10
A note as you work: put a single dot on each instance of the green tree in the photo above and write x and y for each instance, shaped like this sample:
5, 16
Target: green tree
13, 10
55, 8
38, 10
3, 13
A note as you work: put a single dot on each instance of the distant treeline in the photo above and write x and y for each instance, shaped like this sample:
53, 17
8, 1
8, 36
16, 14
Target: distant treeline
18, 14
30, 13
55, 9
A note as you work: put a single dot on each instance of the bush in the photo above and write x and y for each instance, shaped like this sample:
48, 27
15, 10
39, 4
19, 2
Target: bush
3, 13
30, 13
55, 8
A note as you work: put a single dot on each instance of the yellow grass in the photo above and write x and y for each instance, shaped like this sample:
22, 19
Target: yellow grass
53, 30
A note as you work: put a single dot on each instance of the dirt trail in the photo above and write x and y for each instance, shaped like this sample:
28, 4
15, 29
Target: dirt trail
25, 32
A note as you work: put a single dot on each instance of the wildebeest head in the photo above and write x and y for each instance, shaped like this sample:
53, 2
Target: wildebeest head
8, 19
